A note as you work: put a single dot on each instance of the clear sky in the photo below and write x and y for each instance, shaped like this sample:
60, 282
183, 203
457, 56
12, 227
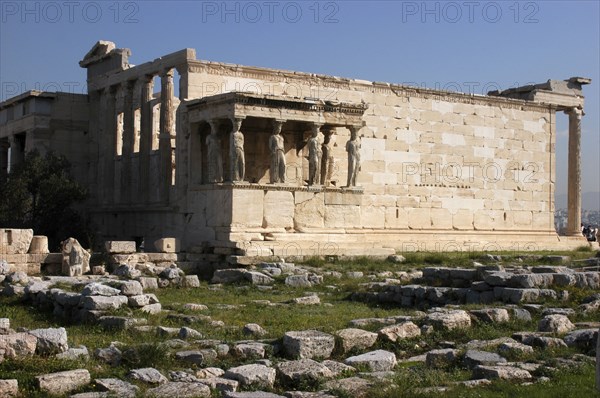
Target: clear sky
468, 46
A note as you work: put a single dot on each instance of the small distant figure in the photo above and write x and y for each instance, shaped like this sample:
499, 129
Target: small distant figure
591, 234
276, 146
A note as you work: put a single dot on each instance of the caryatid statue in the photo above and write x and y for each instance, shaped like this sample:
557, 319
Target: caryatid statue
314, 156
353, 149
238, 161
215, 159
277, 149
328, 161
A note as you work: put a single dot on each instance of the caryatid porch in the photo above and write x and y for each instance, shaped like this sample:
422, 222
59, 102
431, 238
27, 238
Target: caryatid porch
247, 138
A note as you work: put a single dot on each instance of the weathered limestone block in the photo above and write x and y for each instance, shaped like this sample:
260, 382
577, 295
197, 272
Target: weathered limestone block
15, 241
63, 382
148, 283
247, 208
119, 247
50, 341
180, 390
454, 319
39, 245
17, 345
118, 387
120, 322
516, 296
167, 245
250, 350
376, 361
491, 315
98, 289
340, 216
351, 386
555, 324
147, 375
308, 344
76, 260
514, 348
103, 303
194, 356
356, 338
583, 338
404, 330
278, 210
252, 375
302, 371
529, 281
501, 372
9, 388
131, 288
475, 358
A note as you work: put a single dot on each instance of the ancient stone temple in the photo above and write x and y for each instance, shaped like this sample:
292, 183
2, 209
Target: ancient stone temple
246, 161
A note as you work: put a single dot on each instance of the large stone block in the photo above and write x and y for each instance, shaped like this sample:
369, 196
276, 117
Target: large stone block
63, 382
15, 241
308, 344
247, 208
167, 245
309, 210
278, 209
119, 247
39, 245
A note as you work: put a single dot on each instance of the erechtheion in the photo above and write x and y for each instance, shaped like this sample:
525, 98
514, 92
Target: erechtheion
246, 161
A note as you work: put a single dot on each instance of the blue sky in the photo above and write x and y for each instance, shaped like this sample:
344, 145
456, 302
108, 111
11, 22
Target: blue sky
468, 46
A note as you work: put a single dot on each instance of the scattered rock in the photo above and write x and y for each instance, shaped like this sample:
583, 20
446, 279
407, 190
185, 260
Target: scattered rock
118, 387
252, 375
179, 390
405, 330
501, 372
356, 338
555, 324
376, 361
63, 382
147, 375
308, 344
302, 371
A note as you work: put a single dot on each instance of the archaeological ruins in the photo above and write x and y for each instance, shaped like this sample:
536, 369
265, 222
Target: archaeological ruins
244, 162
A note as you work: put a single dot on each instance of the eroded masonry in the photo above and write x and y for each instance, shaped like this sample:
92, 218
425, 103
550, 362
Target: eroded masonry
245, 161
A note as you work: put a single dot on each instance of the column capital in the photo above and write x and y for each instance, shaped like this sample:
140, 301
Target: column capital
575, 111
169, 72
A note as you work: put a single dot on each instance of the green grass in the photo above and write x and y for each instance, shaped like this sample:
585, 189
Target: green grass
334, 313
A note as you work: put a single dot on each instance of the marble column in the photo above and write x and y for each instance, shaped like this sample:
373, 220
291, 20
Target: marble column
4, 145
574, 173
145, 136
128, 139
110, 151
167, 125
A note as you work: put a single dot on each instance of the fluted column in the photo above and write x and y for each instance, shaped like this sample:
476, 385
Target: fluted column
574, 176
128, 138
167, 124
145, 136
110, 151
